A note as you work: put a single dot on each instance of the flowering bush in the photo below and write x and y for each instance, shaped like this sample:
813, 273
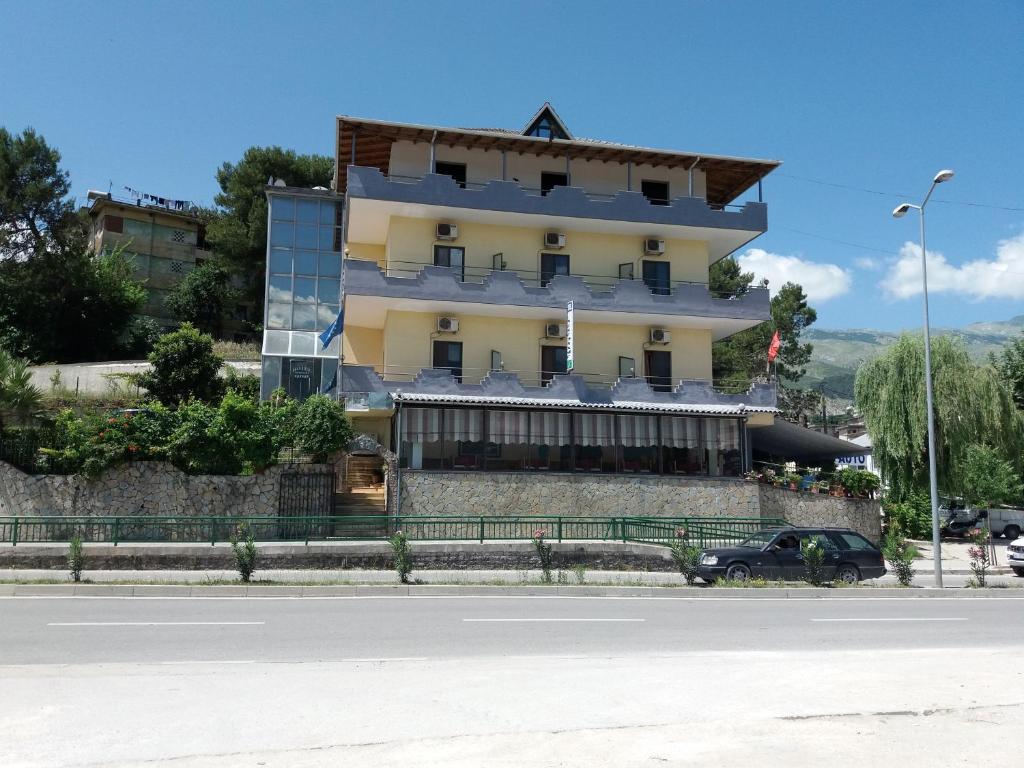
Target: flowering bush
543, 550
814, 560
900, 553
979, 554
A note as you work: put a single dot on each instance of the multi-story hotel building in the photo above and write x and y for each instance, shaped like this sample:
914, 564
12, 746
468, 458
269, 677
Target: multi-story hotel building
461, 250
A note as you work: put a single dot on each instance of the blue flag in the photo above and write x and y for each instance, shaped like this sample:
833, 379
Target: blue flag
334, 329
333, 383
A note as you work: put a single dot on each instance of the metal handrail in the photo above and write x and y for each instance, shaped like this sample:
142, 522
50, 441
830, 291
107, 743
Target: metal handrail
703, 531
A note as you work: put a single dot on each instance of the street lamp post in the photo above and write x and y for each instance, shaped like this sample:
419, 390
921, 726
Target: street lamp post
899, 212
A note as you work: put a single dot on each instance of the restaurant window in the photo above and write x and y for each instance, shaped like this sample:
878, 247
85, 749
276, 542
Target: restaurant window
594, 442
550, 442
421, 438
681, 450
722, 447
448, 354
508, 440
638, 437
552, 360
552, 264
463, 439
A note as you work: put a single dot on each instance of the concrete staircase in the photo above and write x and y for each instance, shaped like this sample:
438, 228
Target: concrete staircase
361, 495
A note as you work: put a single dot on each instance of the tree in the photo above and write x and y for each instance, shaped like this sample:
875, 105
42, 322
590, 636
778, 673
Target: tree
972, 407
239, 229
203, 297
742, 357
1010, 364
183, 367
988, 478
321, 427
68, 304
17, 394
35, 212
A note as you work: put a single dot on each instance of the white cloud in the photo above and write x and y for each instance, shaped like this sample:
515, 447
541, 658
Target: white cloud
866, 262
820, 282
998, 278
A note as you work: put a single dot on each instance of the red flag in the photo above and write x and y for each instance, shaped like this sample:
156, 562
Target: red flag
773, 348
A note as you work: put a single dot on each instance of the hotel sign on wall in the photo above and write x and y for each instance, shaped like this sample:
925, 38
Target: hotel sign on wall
569, 358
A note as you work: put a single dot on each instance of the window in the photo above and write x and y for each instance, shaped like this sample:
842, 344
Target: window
657, 277
627, 368
508, 440
550, 442
300, 376
463, 446
722, 446
852, 541
113, 224
681, 449
448, 354
552, 264
450, 256
549, 181
595, 445
496, 364
638, 436
658, 365
552, 361
456, 170
656, 192
626, 271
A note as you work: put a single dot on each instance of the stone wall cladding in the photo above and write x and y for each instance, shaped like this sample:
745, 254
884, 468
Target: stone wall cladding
453, 494
862, 515
143, 488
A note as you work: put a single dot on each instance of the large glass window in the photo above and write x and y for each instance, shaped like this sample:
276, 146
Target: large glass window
282, 208
681, 448
281, 261
307, 211
282, 234
507, 440
550, 441
722, 446
280, 288
305, 236
595, 444
421, 438
638, 435
304, 290
305, 262
463, 443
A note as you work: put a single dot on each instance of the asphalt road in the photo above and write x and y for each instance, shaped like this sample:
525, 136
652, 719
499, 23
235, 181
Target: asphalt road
507, 681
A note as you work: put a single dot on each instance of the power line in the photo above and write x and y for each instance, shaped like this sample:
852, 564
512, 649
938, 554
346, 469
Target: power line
894, 194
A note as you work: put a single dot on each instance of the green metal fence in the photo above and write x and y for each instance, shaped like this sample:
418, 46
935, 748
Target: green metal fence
701, 531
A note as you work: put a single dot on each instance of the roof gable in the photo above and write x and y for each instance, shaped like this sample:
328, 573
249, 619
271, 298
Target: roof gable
547, 124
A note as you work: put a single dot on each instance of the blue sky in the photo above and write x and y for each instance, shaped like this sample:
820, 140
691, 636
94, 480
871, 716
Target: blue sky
864, 95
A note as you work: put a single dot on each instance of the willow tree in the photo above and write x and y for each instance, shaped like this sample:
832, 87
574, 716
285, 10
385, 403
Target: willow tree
972, 407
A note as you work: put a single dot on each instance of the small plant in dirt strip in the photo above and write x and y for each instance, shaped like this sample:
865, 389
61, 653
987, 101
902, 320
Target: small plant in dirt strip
245, 553
980, 556
402, 553
544, 553
579, 570
685, 555
901, 554
813, 551
76, 559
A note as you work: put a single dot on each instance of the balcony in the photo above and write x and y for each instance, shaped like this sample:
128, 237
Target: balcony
527, 294
362, 384
726, 227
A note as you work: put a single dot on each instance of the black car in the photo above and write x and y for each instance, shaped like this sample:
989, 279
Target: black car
776, 554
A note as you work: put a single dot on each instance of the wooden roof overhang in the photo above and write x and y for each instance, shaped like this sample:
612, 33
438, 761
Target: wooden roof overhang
727, 177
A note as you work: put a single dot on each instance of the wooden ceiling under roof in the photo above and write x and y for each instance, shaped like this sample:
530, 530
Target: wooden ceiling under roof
726, 177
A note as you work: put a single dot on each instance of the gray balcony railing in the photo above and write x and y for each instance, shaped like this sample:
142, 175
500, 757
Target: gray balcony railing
512, 197
590, 292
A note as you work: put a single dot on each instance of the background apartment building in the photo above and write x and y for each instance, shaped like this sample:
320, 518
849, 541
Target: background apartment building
462, 249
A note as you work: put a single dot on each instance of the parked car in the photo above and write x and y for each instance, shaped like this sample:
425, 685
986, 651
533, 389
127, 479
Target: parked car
1015, 558
776, 554
1002, 521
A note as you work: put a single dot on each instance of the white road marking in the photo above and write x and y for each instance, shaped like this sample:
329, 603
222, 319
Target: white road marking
908, 618
154, 623
384, 660
674, 598
212, 661
548, 620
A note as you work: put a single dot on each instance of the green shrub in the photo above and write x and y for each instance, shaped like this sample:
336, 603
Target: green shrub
402, 556
901, 554
245, 554
579, 570
814, 560
911, 516
76, 560
237, 437
859, 482
321, 427
246, 385
544, 554
183, 367
686, 557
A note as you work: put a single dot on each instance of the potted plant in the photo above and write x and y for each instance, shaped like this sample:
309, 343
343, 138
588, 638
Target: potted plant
794, 481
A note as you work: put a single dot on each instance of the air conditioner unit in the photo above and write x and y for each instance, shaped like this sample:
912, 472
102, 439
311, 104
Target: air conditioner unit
554, 330
660, 336
448, 324
654, 247
554, 240
447, 231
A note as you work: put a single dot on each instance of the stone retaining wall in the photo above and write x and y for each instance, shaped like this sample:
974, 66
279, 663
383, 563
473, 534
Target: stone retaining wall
799, 508
517, 493
143, 488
